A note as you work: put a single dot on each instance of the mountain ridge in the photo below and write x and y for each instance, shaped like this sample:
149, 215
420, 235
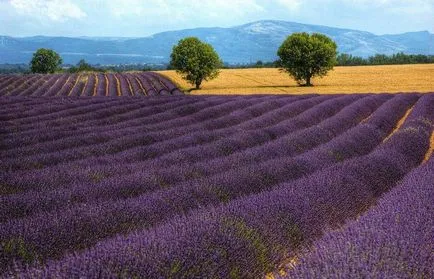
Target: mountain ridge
244, 43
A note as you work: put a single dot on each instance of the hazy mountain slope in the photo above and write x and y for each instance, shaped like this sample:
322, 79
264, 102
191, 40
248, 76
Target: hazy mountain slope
239, 44
415, 42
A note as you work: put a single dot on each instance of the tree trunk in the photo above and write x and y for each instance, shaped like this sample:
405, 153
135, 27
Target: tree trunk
198, 83
308, 83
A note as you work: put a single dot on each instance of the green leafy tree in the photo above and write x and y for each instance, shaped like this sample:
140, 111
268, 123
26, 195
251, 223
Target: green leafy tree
83, 66
259, 64
45, 61
195, 61
305, 56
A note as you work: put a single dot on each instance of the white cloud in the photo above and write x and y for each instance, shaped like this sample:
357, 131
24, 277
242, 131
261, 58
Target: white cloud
181, 9
413, 5
145, 17
291, 5
56, 10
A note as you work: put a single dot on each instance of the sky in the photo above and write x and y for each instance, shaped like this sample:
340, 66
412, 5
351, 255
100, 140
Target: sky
139, 18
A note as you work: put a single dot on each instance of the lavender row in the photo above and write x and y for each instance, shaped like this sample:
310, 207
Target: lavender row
19, 84
53, 90
34, 86
108, 85
11, 84
56, 172
298, 118
223, 154
46, 113
68, 86
157, 86
304, 114
8, 80
136, 87
18, 100
79, 86
202, 137
125, 135
323, 129
108, 218
10, 105
148, 88
124, 108
28, 85
101, 88
124, 85
89, 89
78, 118
284, 139
65, 131
24, 84
195, 114
249, 237
226, 158
140, 139
111, 86
50, 102
393, 240
52, 174
199, 139
60, 107
168, 84
67, 135
134, 116
73, 115
223, 108
46, 85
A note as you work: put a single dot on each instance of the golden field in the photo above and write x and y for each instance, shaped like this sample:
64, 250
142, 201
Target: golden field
359, 79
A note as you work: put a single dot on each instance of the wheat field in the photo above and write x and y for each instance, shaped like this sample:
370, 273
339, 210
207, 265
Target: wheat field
359, 79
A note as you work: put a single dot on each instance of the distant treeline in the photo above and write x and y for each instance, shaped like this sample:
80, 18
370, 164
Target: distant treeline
381, 59
342, 60
258, 64
350, 60
14, 69
83, 66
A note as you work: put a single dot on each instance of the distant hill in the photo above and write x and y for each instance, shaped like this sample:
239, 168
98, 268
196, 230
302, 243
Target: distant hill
240, 44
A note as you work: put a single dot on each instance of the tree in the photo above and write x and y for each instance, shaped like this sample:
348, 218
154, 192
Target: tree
82, 66
304, 56
259, 64
45, 61
195, 61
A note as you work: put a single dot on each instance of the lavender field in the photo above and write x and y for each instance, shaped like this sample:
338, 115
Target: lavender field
87, 84
294, 186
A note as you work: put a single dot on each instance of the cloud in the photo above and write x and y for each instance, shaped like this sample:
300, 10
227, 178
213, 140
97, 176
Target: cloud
181, 8
146, 17
291, 5
397, 5
55, 10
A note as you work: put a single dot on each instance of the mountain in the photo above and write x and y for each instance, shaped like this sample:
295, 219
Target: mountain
416, 42
239, 44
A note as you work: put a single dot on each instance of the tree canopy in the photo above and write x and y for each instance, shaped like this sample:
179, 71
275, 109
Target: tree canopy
45, 61
83, 66
305, 56
195, 61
